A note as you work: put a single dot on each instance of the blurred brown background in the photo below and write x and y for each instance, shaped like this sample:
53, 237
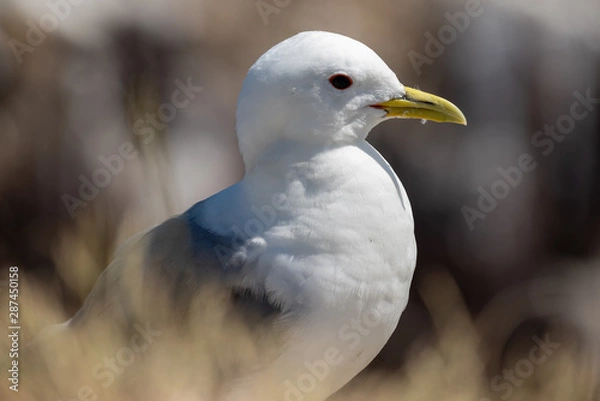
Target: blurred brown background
81, 78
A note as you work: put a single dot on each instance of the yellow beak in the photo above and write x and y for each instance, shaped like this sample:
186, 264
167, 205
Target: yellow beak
424, 106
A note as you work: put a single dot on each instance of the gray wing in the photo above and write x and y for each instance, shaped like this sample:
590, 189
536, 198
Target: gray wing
167, 293
179, 265
172, 280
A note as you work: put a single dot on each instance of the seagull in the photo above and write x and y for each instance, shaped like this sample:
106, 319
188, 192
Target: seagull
315, 245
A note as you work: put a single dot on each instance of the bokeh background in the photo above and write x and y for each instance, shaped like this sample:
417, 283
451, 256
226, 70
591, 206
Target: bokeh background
80, 78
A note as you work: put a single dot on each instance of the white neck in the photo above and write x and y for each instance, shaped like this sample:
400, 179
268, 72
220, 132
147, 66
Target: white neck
341, 197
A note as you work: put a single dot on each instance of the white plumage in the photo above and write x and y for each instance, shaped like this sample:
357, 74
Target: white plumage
319, 233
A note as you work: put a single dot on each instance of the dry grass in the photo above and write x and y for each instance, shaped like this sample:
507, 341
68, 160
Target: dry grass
194, 364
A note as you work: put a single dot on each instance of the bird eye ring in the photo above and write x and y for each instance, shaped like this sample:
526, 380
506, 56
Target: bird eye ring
340, 81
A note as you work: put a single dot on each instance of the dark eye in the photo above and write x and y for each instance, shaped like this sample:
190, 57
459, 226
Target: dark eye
340, 81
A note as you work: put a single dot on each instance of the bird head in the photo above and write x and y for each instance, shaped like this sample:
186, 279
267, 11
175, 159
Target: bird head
324, 89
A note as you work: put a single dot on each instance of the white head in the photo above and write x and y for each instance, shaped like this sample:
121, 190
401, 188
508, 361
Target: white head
324, 89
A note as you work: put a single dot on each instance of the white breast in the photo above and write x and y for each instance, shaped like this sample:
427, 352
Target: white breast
343, 250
